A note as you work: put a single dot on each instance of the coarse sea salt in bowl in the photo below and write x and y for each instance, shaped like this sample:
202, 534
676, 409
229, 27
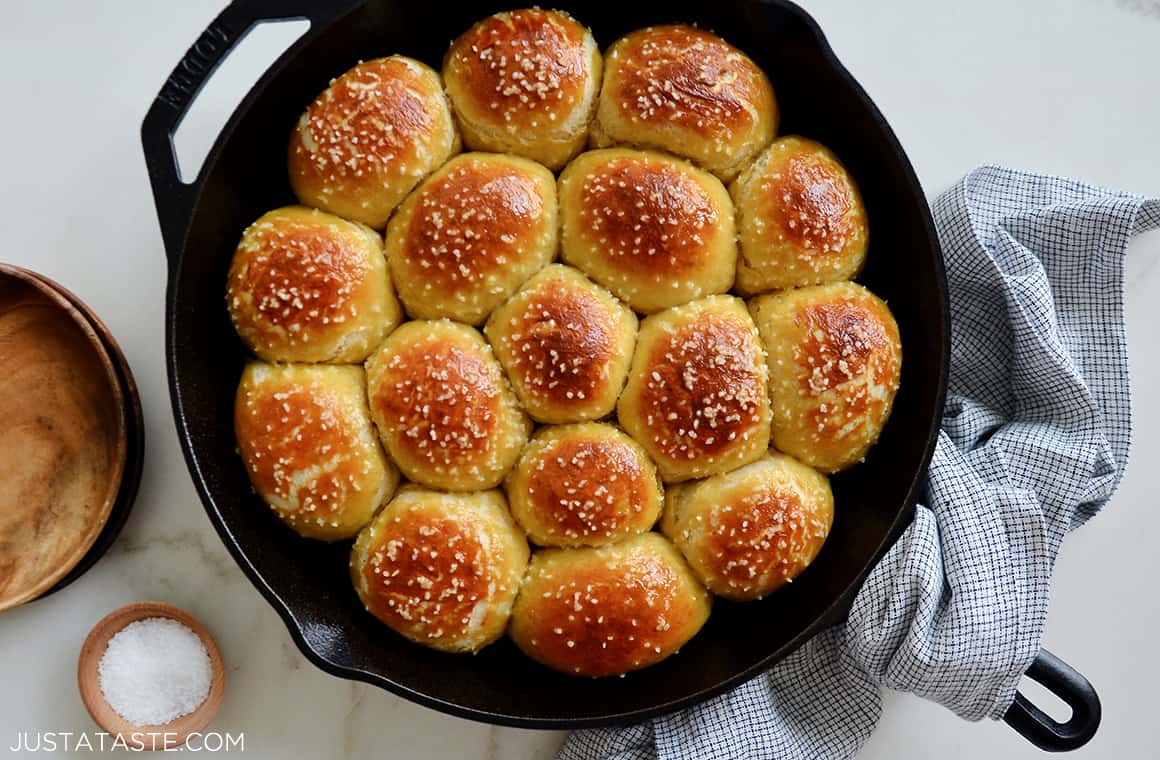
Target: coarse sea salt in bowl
150, 675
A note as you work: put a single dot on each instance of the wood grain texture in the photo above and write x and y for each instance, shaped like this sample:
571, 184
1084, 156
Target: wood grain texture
135, 450
63, 436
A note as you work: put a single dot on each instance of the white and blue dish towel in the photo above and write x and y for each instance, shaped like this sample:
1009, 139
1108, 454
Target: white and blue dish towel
1033, 442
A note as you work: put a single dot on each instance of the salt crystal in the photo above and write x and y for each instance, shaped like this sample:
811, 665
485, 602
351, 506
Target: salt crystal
155, 670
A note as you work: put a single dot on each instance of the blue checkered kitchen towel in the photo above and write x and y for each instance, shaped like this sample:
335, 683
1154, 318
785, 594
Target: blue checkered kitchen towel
1033, 442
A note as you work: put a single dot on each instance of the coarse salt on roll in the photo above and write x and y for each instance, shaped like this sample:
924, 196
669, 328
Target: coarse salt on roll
566, 344
583, 485
800, 219
609, 610
748, 532
441, 569
470, 234
369, 138
685, 90
307, 286
835, 363
525, 82
305, 437
443, 407
653, 229
696, 393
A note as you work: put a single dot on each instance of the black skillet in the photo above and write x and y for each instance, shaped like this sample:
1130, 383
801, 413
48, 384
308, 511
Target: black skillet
306, 582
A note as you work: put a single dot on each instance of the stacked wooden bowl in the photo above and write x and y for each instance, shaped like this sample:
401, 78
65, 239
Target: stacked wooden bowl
71, 437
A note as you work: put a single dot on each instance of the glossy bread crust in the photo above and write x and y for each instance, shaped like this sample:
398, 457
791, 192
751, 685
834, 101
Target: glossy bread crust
525, 82
608, 610
370, 137
565, 343
653, 229
583, 485
470, 234
307, 286
625, 400
443, 408
748, 532
800, 219
835, 360
305, 437
685, 90
441, 569
696, 393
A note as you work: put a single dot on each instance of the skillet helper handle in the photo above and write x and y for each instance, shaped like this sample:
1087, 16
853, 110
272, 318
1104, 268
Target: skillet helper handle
1066, 683
173, 197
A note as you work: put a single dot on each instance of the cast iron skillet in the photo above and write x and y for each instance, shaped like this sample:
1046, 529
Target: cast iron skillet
307, 583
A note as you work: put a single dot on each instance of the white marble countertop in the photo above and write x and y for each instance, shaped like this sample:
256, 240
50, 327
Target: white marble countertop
1067, 86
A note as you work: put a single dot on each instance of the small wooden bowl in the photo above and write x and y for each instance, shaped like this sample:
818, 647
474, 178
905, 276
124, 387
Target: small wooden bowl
166, 736
63, 436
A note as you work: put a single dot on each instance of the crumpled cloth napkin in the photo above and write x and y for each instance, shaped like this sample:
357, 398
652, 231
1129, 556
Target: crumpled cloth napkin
1033, 442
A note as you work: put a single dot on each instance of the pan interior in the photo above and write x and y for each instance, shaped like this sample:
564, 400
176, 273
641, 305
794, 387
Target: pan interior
308, 581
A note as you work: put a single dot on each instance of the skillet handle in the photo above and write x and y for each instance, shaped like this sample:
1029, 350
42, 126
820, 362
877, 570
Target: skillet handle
174, 199
1066, 683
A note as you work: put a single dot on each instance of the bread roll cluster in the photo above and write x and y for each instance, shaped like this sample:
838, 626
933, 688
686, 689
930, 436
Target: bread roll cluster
524, 377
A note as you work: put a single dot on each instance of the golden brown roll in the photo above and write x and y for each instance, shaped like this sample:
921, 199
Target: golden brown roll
525, 82
653, 229
834, 363
443, 407
306, 286
370, 137
748, 532
565, 344
608, 610
696, 393
471, 234
687, 91
800, 219
583, 485
441, 569
305, 437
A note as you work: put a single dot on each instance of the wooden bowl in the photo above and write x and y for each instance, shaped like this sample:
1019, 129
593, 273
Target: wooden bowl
135, 454
63, 436
165, 736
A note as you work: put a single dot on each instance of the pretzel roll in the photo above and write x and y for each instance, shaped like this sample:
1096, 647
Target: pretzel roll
369, 138
653, 229
835, 358
565, 344
306, 286
696, 392
462, 243
687, 91
443, 408
800, 219
608, 610
525, 82
583, 485
748, 532
305, 437
441, 569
